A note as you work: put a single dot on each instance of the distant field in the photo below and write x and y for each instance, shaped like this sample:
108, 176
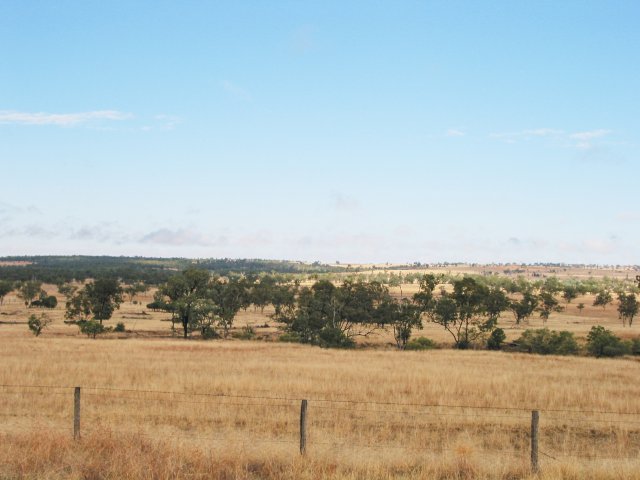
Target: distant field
373, 412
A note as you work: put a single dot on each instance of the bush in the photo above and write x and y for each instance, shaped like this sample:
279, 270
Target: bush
635, 346
91, 328
247, 333
119, 327
547, 342
604, 343
38, 323
45, 302
421, 343
290, 337
208, 332
334, 338
496, 339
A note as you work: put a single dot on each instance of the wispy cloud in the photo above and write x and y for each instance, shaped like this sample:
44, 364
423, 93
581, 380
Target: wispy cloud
581, 140
235, 91
181, 237
454, 132
60, 119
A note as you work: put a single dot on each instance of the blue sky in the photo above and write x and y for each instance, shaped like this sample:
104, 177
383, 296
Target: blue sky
352, 131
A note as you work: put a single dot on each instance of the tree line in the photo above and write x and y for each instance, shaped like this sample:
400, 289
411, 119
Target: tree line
326, 313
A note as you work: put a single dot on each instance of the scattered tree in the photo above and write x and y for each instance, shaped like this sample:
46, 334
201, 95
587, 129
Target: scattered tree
29, 291
6, 287
37, 323
603, 298
627, 307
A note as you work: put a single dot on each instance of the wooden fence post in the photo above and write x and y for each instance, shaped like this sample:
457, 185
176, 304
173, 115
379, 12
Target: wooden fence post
303, 427
76, 413
535, 418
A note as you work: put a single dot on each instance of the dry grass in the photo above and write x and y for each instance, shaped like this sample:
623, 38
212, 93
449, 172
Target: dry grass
252, 433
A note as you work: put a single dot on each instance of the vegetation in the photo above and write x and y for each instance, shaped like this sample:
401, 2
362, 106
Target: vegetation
37, 323
547, 342
5, 288
603, 343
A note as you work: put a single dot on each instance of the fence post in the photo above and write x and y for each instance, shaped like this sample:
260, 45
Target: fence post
303, 427
535, 418
76, 413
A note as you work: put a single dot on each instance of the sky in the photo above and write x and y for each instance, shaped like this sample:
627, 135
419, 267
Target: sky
358, 131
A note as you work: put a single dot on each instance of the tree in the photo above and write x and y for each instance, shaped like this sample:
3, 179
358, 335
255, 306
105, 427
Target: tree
468, 313
37, 323
403, 316
627, 307
547, 342
603, 298
132, 290
603, 343
580, 307
187, 298
6, 287
524, 308
29, 291
570, 292
227, 298
104, 296
78, 308
548, 304
67, 289
332, 316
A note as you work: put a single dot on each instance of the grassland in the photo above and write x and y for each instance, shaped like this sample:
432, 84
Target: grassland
234, 410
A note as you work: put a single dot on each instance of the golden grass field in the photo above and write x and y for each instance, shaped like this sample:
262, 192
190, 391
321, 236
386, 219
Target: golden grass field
157, 406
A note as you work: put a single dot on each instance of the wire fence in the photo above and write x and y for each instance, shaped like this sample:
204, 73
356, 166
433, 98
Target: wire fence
335, 425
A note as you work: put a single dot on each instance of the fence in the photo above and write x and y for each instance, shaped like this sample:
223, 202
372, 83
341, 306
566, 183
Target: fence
335, 423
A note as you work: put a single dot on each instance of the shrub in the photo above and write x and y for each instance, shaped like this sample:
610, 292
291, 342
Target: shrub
604, 343
208, 332
45, 302
547, 342
290, 337
496, 339
91, 328
635, 346
38, 323
421, 343
247, 333
334, 338
119, 327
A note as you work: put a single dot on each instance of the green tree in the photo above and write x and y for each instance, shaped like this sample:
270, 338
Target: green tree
496, 339
603, 298
467, 313
603, 343
186, 298
6, 287
37, 323
524, 308
569, 292
547, 342
78, 308
227, 298
580, 307
29, 291
91, 328
627, 307
67, 289
104, 296
403, 316
548, 303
